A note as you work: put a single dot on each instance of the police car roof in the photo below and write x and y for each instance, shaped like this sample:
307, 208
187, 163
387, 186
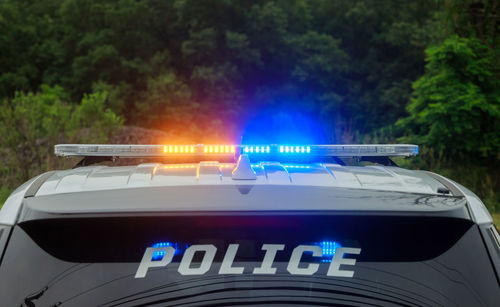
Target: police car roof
99, 178
209, 187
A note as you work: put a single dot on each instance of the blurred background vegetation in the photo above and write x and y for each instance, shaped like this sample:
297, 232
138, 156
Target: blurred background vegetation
386, 71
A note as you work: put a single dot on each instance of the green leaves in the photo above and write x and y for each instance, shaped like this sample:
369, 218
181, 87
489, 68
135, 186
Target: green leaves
92, 114
353, 61
31, 124
201, 44
455, 105
320, 58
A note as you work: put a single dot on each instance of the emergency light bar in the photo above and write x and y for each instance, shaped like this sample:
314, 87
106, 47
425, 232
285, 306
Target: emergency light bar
274, 150
137, 151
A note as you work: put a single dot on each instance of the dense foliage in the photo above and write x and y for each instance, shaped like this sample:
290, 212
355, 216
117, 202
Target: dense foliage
210, 70
31, 124
218, 63
456, 103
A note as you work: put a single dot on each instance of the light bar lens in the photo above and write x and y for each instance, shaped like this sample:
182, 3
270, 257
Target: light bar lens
216, 149
258, 149
178, 149
231, 150
294, 149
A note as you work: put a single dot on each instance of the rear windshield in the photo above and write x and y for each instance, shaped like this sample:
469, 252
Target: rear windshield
247, 259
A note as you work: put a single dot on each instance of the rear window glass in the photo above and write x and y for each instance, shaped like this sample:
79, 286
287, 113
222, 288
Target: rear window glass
247, 259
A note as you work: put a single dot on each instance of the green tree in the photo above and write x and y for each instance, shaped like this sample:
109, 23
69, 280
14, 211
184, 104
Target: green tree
456, 103
353, 61
31, 124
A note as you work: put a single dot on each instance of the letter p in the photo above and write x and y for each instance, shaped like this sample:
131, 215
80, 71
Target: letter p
147, 260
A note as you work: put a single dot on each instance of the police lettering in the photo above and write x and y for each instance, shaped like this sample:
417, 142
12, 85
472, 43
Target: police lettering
207, 253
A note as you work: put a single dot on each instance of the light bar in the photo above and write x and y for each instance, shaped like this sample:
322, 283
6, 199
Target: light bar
136, 151
274, 150
330, 150
385, 150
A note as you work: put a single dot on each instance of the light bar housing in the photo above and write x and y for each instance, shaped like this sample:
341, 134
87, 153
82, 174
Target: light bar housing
274, 150
138, 151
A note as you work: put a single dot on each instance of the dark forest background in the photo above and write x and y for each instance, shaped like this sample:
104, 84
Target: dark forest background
318, 71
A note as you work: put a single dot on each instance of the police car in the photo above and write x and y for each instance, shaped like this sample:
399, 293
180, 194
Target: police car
246, 225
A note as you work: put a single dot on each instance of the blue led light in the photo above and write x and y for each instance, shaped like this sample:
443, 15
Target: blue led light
295, 150
250, 149
178, 248
329, 248
287, 149
349, 150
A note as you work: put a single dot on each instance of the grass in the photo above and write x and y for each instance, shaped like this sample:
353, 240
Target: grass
4, 193
496, 219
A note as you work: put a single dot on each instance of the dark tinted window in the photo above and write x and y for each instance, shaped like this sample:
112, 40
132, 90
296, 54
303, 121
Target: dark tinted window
93, 261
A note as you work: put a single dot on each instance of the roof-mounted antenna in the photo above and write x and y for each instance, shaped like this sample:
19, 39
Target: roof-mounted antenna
243, 170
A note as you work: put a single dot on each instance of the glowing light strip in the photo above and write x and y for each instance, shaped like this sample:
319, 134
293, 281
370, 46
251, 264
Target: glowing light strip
104, 150
178, 149
217, 149
258, 149
295, 149
387, 150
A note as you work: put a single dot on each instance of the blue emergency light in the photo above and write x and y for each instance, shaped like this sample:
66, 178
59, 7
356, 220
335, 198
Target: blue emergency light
178, 248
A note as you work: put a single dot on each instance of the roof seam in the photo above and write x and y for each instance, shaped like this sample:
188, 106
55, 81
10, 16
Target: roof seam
263, 171
329, 171
37, 183
357, 179
131, 173
393, 174
154, 171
